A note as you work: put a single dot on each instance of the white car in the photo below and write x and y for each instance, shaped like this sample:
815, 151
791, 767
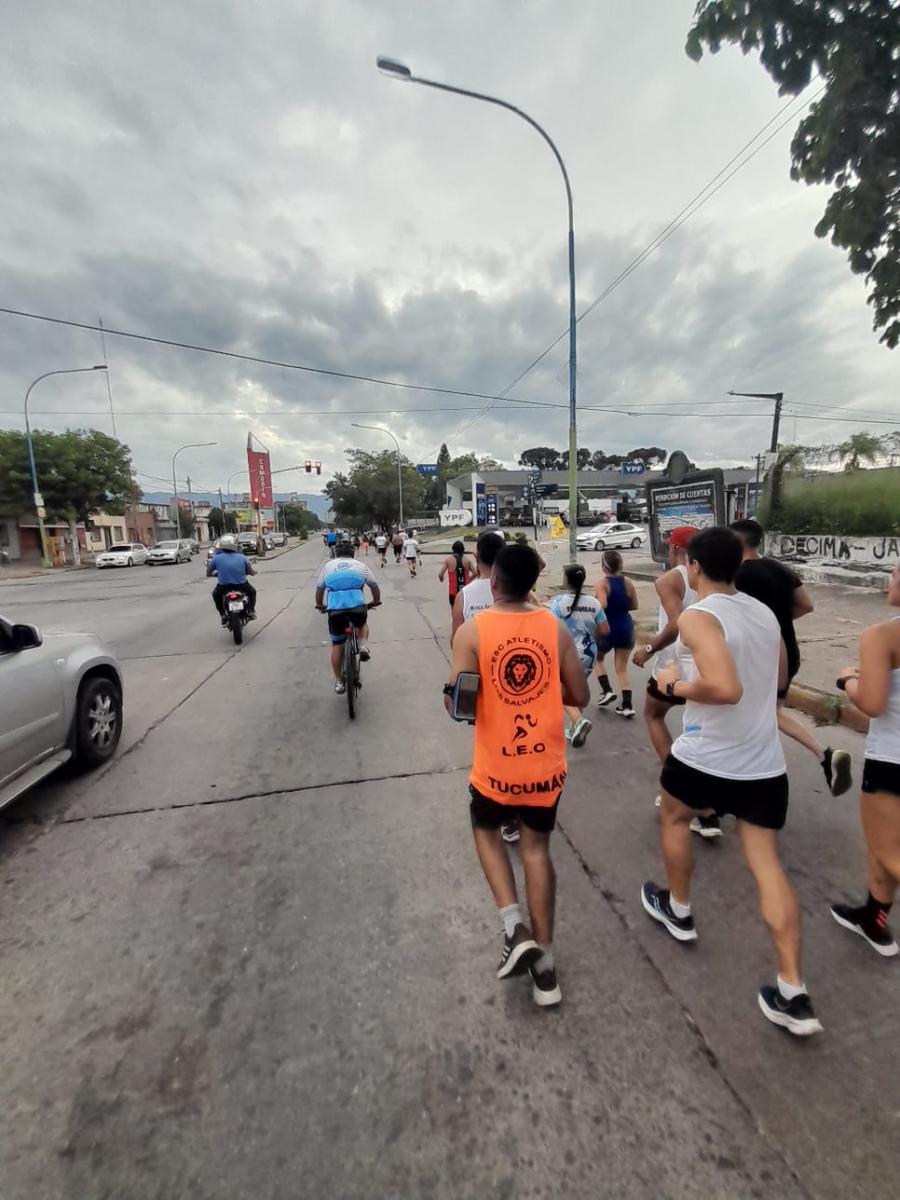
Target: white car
170, 552
123, 554
612, 533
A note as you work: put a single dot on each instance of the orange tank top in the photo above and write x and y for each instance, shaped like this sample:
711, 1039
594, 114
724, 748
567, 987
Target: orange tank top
520, 748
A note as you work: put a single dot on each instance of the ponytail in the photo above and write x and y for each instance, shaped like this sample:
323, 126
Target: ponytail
575, 576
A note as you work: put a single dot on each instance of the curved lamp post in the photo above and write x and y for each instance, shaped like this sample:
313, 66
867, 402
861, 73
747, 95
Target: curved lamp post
189, 446
399, 70
34, 478
381, 429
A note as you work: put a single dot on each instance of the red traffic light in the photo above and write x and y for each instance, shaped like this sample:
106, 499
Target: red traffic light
308, 466
318, 468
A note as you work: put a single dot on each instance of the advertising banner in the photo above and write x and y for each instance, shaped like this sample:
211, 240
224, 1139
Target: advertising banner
260, 479
699, 501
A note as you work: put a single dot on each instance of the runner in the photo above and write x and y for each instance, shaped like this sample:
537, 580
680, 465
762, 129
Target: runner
365, 544
476, 596
529, 667
397, 542
586, 622
782, 590
875, 690
618, 599
411, 552
675, 594
340, 587
381, 545
729, 759
460, 569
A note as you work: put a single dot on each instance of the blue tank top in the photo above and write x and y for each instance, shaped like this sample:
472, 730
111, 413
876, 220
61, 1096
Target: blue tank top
616, 608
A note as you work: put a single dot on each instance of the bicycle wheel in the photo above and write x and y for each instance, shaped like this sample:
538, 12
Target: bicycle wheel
350, 661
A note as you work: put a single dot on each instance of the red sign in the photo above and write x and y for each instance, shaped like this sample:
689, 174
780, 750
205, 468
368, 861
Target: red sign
260, 479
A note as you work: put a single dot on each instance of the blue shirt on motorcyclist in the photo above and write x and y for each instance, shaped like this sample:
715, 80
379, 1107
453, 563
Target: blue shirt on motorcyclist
230, 566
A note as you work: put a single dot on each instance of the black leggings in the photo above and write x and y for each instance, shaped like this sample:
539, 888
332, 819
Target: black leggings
222, 589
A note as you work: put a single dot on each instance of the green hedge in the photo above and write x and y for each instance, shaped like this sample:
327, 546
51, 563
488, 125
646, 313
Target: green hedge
862, 503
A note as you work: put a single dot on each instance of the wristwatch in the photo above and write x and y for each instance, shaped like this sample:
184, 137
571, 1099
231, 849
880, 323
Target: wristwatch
648, 649
670, 689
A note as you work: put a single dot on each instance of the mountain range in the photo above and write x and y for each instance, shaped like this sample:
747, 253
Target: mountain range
315, 503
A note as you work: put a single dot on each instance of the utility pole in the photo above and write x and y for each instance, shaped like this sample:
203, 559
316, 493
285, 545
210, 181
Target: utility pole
776, 416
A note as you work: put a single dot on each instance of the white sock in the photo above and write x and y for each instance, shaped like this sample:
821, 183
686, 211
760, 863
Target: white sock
680, 910
511, 916
545, 962
790, 990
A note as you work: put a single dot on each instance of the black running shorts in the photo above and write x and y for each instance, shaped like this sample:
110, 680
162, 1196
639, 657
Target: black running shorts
490, 814
881, 776
341, 618
761, 802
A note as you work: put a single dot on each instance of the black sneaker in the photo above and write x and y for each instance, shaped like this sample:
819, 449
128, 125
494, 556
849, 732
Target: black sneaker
509, 831
707, 827
519, 952
797, 1016
624, 710
836, 768
878, 936
545, 988
656, 904
606, 698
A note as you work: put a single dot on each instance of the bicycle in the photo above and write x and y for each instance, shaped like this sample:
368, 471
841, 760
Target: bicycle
352, 662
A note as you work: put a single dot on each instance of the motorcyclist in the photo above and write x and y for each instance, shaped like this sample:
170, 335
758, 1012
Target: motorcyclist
231, 568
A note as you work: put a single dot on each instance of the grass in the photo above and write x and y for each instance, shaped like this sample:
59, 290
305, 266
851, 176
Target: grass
859, 503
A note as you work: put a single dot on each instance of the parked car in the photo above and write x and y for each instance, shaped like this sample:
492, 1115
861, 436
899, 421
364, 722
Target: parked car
613, 533
170, 552
124, 554
278, 539
60, 699
247, 542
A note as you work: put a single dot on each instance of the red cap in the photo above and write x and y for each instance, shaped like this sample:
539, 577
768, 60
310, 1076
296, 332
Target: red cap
680, 537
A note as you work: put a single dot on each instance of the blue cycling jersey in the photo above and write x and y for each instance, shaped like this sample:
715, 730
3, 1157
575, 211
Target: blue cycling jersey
343, 580
330, 539
230, 567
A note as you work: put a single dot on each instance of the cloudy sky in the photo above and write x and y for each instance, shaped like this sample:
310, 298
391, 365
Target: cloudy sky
239, 176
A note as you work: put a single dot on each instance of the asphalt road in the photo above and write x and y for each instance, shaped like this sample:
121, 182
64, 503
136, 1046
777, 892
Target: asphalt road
254, 956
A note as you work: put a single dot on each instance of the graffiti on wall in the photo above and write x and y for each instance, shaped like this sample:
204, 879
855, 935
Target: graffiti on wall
836, 549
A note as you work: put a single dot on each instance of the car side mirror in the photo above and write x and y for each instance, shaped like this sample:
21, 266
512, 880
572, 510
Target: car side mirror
25, 637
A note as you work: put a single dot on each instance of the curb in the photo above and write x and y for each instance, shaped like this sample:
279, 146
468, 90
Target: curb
827, 708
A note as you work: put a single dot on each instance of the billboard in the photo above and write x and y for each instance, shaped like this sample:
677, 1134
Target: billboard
698, 501
260, 478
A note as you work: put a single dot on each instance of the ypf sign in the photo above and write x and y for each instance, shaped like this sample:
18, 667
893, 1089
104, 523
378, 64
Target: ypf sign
455, 516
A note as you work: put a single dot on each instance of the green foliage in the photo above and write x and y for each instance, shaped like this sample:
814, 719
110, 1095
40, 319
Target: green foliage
859, 503
545, 458
79, 472
184, 522
299, 520
850, 136
548, 459
859, 448
231, 522
216, 522
367, 494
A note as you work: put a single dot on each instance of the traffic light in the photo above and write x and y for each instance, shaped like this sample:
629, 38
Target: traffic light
308, 466
318, 468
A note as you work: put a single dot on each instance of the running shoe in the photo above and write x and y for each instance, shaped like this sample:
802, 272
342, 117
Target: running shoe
340, 687
707, 827
364, 654
797, 1015
580, 732
624, 711
606, 698
545, 988
658, 906
836, 767
519, 952
509, 831
877, 934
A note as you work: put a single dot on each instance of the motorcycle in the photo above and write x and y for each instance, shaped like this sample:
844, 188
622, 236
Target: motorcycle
236, 610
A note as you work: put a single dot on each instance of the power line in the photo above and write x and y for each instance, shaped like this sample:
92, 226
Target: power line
693, 206
269, 362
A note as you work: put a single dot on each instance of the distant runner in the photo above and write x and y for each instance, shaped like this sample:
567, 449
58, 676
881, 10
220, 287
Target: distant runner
411, 552
397, 542
459, 568
618, 598
586, 622
381, 545
476, 596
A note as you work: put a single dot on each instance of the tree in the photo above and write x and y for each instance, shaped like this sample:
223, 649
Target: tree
859, 448
850, 137
216, 520
648, 455
231, 522
299, 520
600, 460
545, 458
582, 459
367, 494
80, 471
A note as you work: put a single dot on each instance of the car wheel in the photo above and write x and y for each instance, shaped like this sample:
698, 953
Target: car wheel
130, 562
635, 543
98, 721
599, 544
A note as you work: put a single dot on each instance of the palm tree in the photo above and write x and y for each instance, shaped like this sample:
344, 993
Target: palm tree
859, 448
789, 457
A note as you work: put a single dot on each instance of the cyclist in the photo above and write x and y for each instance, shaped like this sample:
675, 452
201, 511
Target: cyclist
342, 581
331, 539
231, 569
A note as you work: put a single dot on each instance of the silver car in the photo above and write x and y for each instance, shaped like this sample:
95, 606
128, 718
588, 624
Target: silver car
169, 552
60, 699
612, 533
123, 554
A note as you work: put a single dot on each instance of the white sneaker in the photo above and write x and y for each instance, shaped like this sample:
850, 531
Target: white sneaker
364, 653
657, 800
580, 732
707, 827
339, 687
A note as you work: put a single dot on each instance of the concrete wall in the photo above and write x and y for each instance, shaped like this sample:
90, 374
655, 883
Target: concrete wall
835, 558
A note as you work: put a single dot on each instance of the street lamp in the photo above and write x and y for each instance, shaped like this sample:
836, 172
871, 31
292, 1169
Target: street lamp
380, 429
228, 491
38, 499
776, 416
189, 446
399, 70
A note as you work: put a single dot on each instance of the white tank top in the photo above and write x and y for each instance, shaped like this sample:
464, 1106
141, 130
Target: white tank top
736, 741
883, 741
667, 654
476, 597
